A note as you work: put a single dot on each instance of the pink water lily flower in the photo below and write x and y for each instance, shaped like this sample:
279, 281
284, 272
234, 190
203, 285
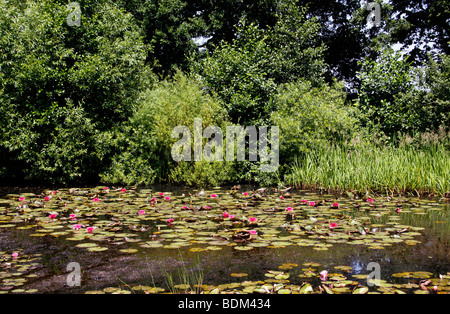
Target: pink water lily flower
207, 207
167, 198
251, 219
289, 209
369, 200
184, 207
398, 210
213, 195
96, 199
90, 229
281, 197
336, 205
305, 201
76, 227
225, 214
141, 212
52, 216
14, 255
323, 275
170, 220
312, 203
245, 193
123, 190
72, 216
47, 198
21, 199
105, 188
161, 194
232, 216
253, 232
333, 225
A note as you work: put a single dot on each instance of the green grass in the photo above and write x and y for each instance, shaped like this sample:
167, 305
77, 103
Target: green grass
367, 169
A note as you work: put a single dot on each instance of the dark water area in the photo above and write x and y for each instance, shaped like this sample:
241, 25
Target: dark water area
410, 245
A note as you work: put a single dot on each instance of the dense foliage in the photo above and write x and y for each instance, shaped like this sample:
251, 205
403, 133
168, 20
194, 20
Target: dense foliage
98, 101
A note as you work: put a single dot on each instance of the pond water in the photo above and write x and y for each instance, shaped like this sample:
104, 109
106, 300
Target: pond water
159, 240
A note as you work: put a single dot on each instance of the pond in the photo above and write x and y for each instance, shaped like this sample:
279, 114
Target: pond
221, 240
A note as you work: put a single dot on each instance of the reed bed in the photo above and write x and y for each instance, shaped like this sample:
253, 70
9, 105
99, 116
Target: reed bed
368, 169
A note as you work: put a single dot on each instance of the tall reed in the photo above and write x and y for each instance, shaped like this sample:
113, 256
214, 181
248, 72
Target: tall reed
366, 169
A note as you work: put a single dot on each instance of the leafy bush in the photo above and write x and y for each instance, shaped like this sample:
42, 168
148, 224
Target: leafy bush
311, 118
147, 147
396, 97
61, 86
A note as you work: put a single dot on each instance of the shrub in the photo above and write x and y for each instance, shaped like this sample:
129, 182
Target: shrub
149, 143
61, 87
311, 118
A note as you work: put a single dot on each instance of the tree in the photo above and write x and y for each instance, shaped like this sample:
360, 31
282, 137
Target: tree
397, 97
245, 73
63, 88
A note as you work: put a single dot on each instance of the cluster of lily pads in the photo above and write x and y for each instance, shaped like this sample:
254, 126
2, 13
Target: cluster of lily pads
338, 281
16, 269
132, 220
244, 220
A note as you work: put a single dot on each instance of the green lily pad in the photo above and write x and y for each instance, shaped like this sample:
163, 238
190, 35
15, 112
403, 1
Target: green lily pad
86, 245
360, 290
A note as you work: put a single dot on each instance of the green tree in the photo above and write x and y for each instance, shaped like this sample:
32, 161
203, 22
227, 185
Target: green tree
62, 86
397, 97
245, 73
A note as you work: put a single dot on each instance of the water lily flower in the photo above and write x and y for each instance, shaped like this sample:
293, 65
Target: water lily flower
21, 199
253, 232
123, 190
72, 216
52, 216
333, 225
105, 188
54, 192
213, 195
96, 199
141, 212
251, 219
323, 275
305, 201
170, 220
282, 197
47, 198
225, 214
167, 198
90, 229
76, 227
336, 205
232, 216
245, 193
289, 209
184, 207
14, 255
207, 207
398, 210
369, 200
311, 203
